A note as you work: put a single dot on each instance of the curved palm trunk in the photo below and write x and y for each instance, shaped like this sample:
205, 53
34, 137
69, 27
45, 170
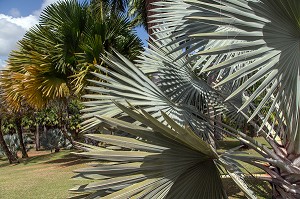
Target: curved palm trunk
11, 158
20, 135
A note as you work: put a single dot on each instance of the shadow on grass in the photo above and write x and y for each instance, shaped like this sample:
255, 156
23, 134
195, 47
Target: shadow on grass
228, 144
3, 161
69, 160
64, 158
38, 159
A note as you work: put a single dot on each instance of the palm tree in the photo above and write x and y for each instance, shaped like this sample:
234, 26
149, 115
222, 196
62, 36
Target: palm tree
55, 56
253, 47
113, 5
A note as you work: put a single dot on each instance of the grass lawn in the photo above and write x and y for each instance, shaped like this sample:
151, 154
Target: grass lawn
48, 175
43, 175
261, 188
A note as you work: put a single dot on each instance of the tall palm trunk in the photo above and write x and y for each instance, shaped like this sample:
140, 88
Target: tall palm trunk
20, 135
11, 158
63, 123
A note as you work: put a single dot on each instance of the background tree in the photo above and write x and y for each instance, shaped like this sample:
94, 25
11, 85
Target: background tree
56, 55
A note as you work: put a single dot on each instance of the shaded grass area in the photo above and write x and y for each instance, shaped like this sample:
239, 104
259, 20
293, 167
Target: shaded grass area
49, 175
45, 176
230, 143
261, 188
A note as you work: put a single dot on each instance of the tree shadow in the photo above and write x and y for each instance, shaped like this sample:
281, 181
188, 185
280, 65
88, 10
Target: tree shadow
228, 144
69, 160
37, 159
51, 158
3, 161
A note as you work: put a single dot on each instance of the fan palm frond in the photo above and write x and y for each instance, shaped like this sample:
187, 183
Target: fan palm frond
125, 82
167, 162
255, 38
175, 77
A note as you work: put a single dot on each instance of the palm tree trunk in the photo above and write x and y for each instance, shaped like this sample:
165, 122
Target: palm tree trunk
69, 137
11, 158
37, 138
20, 135
63, 123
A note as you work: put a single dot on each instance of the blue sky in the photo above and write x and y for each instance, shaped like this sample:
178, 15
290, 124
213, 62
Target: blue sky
17, 16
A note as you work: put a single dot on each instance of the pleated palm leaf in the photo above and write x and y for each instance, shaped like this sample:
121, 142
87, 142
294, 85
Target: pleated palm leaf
175, 77
124, 83
166, 162
257, 39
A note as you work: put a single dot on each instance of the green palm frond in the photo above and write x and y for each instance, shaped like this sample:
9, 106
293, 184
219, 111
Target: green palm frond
259, 39
166, 162
66, 21
98, 38
34, 70
138, 12
125, 82
108, 6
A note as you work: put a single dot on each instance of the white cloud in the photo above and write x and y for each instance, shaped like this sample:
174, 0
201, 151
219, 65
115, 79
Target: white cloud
24, 22
14, 26
12, 30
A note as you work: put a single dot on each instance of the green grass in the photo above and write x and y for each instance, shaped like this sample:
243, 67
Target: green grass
46, 177
229, 143
261, 188
49, 176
